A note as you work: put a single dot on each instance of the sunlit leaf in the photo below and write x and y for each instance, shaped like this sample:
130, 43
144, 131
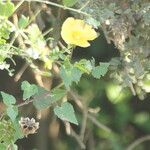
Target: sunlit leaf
6, 9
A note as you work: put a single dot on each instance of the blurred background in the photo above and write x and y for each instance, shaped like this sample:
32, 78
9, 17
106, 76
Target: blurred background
125, 116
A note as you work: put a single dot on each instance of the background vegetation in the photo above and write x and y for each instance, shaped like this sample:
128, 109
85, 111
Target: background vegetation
94, 98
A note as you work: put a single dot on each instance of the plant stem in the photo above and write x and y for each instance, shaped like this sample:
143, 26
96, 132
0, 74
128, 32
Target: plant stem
19, 4
60, 6
138, 141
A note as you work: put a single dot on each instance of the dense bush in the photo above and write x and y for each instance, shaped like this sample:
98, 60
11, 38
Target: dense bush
76, 58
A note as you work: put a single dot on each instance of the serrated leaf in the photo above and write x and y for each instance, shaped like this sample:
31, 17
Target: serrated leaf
84, 65
28, 89
66, 112
8, 99
23, 21
66, 76
69, 75
100, 70
6, 9
12, 112
76, 74
69, 3
45, 98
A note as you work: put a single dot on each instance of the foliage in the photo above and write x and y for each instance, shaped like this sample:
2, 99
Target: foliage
125, 24
41, 99
66, 112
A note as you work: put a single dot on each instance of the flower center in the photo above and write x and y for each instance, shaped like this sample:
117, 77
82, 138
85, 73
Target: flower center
77, 35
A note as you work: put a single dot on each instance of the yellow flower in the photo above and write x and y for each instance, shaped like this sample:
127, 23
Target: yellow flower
77, 32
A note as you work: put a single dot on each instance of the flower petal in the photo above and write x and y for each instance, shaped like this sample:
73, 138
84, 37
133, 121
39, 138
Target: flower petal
77, 32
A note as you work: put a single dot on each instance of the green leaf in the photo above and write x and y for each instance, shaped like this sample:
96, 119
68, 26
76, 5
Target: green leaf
2, 146
23, 21
69, 3
7, 133
18, 132
95, 23
28, 89
66, 76
42, 99
100, 70
57, 94
69, 75
45, 98
66, 112
84, 65
12, 112
6, 9
76, 74
8, 99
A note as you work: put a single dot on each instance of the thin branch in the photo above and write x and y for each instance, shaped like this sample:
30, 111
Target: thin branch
22, 45
25, 103
85, 5
76, 98
84, 122
78, 139
98, 124
138, 141
19, 4
21, 71
60, 6
46, 94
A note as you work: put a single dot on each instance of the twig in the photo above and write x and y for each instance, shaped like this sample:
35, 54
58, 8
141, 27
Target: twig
138, 141
132, 88
98, 124
76, 99
19, 4
90, 117
46, 94
77, 137
60, 6
22, 45
67, 127
21, 71
85, 5
83, 126
25, 103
